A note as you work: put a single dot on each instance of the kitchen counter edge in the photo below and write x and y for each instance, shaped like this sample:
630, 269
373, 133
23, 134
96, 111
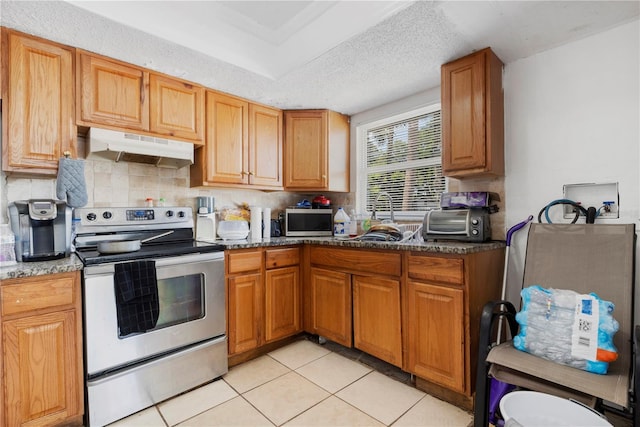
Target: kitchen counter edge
448, 247
40, 268
72, 263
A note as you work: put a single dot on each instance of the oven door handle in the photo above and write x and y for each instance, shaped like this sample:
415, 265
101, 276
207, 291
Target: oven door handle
109, 268
184, 259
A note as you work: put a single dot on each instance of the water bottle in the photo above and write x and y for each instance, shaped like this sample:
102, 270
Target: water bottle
341, 223
353, 225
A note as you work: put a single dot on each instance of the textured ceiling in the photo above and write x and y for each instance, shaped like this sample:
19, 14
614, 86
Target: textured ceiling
348, 56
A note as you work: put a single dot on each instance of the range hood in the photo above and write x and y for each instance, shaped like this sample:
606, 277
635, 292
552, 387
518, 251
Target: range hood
130, 147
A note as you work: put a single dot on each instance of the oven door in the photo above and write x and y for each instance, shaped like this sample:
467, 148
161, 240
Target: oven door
191, 295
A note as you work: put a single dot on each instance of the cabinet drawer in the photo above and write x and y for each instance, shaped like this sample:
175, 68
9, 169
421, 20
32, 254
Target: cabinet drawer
36, 293
447, 270
238, 262
275, 258
358, 260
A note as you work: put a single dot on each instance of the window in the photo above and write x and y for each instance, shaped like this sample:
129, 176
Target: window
401, 155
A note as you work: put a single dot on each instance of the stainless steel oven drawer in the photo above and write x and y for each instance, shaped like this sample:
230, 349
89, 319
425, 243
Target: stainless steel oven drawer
122, 393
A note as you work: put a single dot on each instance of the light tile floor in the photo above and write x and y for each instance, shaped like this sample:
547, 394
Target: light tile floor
304, 384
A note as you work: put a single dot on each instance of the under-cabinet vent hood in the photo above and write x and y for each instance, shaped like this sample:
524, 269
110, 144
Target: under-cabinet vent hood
129, 147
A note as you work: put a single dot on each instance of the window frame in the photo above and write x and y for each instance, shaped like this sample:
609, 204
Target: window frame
361, 175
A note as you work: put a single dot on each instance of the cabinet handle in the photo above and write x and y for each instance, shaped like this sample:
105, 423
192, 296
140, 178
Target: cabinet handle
250, 174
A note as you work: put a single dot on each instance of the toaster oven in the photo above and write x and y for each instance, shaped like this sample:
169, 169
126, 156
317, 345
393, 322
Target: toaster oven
466, 225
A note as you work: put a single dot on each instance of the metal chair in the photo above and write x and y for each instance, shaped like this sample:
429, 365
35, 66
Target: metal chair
585, 258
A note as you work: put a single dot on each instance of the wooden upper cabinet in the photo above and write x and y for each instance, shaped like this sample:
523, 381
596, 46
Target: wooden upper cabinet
176, 108
316, 150
112, 93
473, 116
38, 109
121, 96
265, 146
227, 144
243, 145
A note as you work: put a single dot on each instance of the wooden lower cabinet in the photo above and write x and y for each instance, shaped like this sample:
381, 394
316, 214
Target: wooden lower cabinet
42, 351
419, 311
355, 299
331, 305
263, 297
436, 342
282, 303
443, 299
244, 293
377, 318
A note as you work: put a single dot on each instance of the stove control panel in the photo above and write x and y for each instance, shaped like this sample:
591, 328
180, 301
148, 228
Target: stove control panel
140, 215
105, 217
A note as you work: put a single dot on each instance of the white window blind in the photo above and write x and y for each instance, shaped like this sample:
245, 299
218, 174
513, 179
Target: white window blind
402, 156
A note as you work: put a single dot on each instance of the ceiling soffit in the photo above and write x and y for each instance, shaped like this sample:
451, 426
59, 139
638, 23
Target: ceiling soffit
267, 38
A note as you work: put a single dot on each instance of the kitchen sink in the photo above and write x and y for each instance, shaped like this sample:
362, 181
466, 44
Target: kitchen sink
409, 233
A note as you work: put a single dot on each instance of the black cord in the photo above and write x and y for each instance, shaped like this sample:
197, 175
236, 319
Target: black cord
578, 209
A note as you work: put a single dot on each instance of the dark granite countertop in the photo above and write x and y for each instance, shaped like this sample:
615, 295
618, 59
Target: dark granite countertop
27, 269
447, 247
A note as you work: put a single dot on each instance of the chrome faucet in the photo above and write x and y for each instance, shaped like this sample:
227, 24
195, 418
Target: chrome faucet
375, 204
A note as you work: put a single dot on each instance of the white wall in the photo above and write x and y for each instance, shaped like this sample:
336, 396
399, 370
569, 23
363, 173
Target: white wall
572, 115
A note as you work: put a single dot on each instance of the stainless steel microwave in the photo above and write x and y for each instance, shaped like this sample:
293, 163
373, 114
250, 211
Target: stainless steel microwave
308, 222
467, 225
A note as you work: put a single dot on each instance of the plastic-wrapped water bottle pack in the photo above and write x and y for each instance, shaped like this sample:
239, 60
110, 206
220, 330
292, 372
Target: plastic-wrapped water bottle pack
568, 328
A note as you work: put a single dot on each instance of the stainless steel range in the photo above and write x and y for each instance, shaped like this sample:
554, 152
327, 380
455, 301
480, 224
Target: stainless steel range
154, 318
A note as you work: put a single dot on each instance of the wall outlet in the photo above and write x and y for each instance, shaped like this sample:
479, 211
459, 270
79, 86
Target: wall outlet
604, 197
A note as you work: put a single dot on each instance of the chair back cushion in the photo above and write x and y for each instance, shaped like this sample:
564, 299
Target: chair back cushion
587, 258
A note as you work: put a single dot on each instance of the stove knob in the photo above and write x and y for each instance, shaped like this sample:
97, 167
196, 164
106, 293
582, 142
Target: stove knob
475, 221
181, 214
107, 215
475, 232
91, 216
169, 214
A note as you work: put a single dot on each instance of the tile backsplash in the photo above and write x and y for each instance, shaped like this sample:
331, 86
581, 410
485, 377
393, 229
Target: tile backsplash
494, 185
129, 184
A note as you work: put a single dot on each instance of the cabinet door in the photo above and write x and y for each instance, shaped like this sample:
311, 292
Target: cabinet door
112, 93
227, 139
244, 294
331, 305
463, 114
376, 318
306, 149
282, 303
436, 331
38, 112
473, 116
176, 108
41, 366
265, 146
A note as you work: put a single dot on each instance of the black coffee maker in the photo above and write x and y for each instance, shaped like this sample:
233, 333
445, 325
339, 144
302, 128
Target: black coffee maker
42, 229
